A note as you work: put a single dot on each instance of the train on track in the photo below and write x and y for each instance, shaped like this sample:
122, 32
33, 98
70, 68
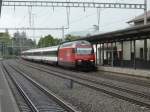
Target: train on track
76, 54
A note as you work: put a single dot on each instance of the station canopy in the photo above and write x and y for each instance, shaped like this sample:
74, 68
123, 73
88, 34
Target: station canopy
128, 34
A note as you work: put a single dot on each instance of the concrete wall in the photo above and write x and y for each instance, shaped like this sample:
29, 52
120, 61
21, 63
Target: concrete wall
139, 44
148, 46
126, 51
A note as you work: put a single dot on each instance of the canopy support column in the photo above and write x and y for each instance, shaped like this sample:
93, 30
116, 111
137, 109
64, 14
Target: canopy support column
134, 45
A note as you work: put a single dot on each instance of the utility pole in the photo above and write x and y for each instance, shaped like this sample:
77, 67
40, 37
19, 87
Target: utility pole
0, 6
63, 34
20, 44
12, 46
145, 12
145, 23
98, 18
33, 17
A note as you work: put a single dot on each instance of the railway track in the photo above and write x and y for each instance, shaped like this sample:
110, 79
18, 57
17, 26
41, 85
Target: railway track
130, 80
102, 76
20, 101
37, 97
136, 97
86, 77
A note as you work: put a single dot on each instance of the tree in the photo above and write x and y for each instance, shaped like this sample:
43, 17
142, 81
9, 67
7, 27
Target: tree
4, 42
70, 37
20, 42
5, 37
48, 41
51, 41
57, 41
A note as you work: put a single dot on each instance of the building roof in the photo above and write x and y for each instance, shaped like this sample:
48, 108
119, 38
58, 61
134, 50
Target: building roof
132, 33
140, 17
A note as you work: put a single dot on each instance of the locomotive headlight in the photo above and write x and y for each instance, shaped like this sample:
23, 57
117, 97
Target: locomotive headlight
79, 60
92, 60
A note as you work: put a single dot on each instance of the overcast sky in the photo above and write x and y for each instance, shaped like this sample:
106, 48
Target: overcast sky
80, 20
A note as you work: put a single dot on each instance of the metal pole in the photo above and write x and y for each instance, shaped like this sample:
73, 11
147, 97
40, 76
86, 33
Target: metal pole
12, 46
112, 60
68, 16
130, 49
96, 53
2, 49
20, 43
134, 43
98, 17
145, 49
103, 53
107, 54
131, 58
63, 37
100, 62
122, 54
145, 12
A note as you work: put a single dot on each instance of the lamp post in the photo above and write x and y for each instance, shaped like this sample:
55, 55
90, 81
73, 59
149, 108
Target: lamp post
145, 12
145, 22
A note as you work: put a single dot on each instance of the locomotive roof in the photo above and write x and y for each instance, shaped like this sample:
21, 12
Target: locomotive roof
68, 44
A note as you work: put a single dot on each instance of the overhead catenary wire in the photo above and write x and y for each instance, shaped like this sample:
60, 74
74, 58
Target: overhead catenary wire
110, 24
68, 13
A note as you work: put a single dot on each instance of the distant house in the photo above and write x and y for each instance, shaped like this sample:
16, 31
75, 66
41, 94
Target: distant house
139, 20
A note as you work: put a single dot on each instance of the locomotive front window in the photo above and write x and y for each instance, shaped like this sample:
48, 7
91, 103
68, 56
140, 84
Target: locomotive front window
84, 51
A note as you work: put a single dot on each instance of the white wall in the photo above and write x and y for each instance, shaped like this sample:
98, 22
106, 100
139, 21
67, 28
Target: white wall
139, 44
148, 46
126, 50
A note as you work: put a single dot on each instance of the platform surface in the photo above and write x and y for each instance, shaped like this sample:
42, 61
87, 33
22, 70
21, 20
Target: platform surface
128, 71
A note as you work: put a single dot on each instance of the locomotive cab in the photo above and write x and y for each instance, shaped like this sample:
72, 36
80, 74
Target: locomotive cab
77, 54
85, 57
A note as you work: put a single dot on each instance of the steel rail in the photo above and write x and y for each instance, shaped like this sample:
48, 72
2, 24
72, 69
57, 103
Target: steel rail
95, 86
61, 102
141, 94
26, 98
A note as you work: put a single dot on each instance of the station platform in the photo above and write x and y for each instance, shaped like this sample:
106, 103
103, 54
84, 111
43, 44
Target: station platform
126, 71
7, 101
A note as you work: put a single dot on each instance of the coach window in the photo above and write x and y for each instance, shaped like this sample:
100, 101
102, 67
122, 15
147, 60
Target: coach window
84, 50
50, 53
46, 53
53, 53
36, 53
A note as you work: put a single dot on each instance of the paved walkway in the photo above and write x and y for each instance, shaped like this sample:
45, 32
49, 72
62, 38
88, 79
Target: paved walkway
7, 102
128, 71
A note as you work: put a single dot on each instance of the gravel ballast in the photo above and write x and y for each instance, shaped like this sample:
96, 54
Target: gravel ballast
85, 99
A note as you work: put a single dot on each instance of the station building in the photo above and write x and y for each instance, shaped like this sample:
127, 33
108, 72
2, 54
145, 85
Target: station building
128, 48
